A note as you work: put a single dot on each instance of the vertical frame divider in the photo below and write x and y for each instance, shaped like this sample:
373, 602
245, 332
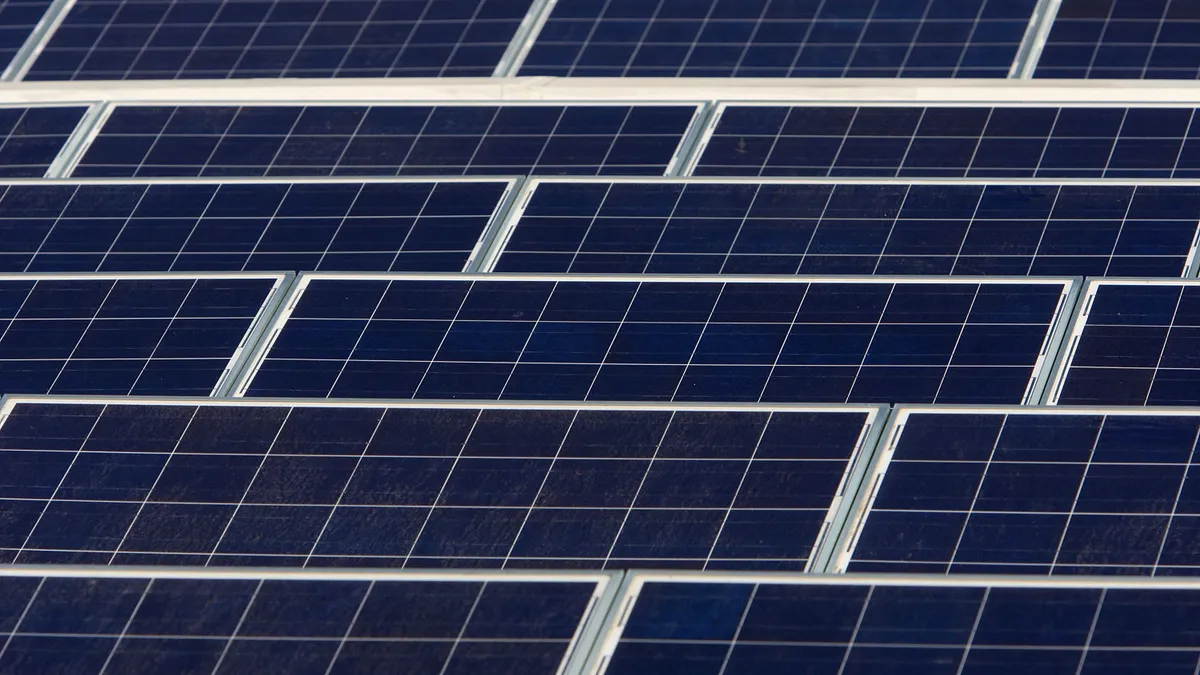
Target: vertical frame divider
79, 141
1030, 51
523, 39
685, 155
255, 335
497, 232
37, 40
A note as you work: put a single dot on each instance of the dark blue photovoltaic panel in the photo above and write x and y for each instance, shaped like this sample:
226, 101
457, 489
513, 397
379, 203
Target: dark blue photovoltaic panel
635, 338
1140, 345
17, 21
87, 335
1006, 492
30, 138
795, 228
91, 625
947, 628
978, 142
445, 140
217, 39
1123, 39
196, 227
780, 38
417, 487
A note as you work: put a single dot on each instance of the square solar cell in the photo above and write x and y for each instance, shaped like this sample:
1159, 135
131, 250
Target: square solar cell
90, 622
150, 335
31, 138
387, 140
950, 142
167, 226
779, 38
773, 227
114, 481
1031, 491
18, 18
718, 625
211, 39
1123, 39
694, 338
1133, 343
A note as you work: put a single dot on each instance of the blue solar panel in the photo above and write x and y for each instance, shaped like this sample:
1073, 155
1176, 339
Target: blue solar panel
17, 21
692, 227
898, 627
134, 335
1123, 39
381, 140
91, 622
980, 142
1134, 343
777, 339
185, 483
215, 39
239, 226
1033, 491
31, 138
780, 38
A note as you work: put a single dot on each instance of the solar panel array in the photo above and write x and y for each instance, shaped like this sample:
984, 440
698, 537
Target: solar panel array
514, 320
776, 38
1028, 491
91, 622
208, 39
316, 485
976, 142
789, 625
161, 226
776, 227
444, 140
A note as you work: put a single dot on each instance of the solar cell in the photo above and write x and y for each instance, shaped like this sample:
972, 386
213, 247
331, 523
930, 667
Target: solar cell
31, 137
202, 482
208, 225
1133, 343
694, 338
387, 140
18, 18
103, 334
780, 38
90, 621
792, 624
773, 227
1032, 491
1123, 39
957, 142
214, 39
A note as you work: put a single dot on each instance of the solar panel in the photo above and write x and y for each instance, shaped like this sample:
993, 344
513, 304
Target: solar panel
1123, 39
31, 137
160, 226
1133, 343
204, 482
387, 140
695, 338
91, 621
780, 38
1031, 491
765, 227
151, 335
975, 142
792, 624
18, 18
164, 40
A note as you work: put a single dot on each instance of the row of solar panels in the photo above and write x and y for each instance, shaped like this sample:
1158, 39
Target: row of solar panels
599, 226
1013, 490
158, 39
589, 139
956, 340
87, 621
